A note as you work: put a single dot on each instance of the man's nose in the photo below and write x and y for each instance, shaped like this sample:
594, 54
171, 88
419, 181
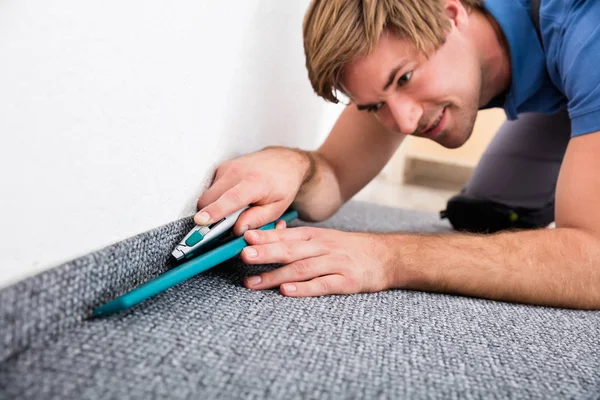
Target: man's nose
405, 112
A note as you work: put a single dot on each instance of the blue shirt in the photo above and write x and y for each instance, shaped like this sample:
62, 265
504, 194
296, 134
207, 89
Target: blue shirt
563, 70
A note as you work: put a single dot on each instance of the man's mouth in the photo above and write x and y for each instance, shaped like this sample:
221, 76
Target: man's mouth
432, 128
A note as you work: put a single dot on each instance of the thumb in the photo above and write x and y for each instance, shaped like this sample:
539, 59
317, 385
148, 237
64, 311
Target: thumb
257, 216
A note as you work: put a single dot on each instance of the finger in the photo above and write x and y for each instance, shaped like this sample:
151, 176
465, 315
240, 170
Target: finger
257, 216
216, 190
281, 224
282, 252
300, 270
239, 196
280, 235
321, 286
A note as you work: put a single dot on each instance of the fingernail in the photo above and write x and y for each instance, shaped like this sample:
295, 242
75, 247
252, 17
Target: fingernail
202, 218
254, 280
289, 288
253, 234
251, 252
244, 229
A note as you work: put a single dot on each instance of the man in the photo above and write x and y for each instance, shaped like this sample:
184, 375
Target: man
424, 68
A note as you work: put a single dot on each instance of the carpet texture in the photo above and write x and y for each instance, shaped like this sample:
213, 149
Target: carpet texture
210, 337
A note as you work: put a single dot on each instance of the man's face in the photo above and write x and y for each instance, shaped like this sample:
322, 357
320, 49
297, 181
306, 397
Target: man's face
435, 97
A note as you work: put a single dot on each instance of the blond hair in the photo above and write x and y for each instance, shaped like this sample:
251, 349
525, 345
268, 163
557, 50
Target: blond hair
336, 32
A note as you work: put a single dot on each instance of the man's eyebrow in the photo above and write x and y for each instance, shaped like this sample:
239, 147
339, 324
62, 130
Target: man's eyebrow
391, 77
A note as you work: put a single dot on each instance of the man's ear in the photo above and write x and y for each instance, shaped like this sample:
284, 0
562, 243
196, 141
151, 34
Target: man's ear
457, 13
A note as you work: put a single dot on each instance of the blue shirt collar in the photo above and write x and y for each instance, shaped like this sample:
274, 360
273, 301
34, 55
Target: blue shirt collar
528, 65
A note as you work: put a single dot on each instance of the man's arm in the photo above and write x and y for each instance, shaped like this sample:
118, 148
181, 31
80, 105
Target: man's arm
315, 183
355, 151
554, 267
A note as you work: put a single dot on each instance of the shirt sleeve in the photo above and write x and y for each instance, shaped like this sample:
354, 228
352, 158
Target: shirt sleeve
579, 66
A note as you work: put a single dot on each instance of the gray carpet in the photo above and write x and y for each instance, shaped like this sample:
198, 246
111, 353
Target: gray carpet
212, 338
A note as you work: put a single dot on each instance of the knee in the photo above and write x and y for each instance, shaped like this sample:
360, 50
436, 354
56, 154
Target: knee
470, 214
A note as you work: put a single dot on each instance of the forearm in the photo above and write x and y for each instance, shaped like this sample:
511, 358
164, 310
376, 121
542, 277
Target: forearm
355, 151
553, 267
320, 195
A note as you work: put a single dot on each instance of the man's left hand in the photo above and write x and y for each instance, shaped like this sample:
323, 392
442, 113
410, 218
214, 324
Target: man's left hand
319, 261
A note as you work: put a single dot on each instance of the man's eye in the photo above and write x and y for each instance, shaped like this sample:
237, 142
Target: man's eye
374, 108
404, 78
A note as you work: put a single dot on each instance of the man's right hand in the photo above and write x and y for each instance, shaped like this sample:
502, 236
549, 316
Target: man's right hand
269, 180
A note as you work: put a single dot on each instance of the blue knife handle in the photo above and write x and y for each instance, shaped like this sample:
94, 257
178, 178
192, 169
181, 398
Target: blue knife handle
183, 272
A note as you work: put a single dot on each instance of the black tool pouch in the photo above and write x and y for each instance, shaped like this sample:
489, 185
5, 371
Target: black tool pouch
484, 216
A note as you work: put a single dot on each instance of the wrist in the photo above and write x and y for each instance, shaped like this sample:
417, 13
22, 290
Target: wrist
384, 248
401, 261
308, 163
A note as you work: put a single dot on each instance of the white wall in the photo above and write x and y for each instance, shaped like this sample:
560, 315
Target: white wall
114, 114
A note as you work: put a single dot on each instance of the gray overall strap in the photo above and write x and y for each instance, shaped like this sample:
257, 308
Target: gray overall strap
535, 17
